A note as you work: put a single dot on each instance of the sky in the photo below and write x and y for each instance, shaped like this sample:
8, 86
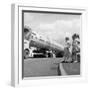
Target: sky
53, 26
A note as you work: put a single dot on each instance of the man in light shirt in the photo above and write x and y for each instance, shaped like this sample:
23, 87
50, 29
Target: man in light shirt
67, 53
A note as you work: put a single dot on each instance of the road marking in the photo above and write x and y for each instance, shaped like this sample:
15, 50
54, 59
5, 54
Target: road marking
63, 72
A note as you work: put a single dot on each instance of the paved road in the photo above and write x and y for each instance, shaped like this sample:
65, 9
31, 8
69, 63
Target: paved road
49, 67
70, 68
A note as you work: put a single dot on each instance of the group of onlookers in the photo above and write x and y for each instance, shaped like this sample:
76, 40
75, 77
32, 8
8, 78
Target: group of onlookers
72, 49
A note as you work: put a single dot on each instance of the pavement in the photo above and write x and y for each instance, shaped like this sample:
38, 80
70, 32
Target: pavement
69, 68
49, 67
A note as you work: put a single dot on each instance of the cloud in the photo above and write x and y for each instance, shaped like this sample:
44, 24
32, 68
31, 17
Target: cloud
59, 29
55, 27
59, 24
28, 18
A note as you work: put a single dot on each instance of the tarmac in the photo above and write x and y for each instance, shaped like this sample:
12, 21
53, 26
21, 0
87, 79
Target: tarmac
36, 67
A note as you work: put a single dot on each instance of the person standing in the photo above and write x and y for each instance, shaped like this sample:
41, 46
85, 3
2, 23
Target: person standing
67, 53
75, 48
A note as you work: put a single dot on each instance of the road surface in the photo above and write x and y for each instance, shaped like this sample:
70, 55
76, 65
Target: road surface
49, 67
